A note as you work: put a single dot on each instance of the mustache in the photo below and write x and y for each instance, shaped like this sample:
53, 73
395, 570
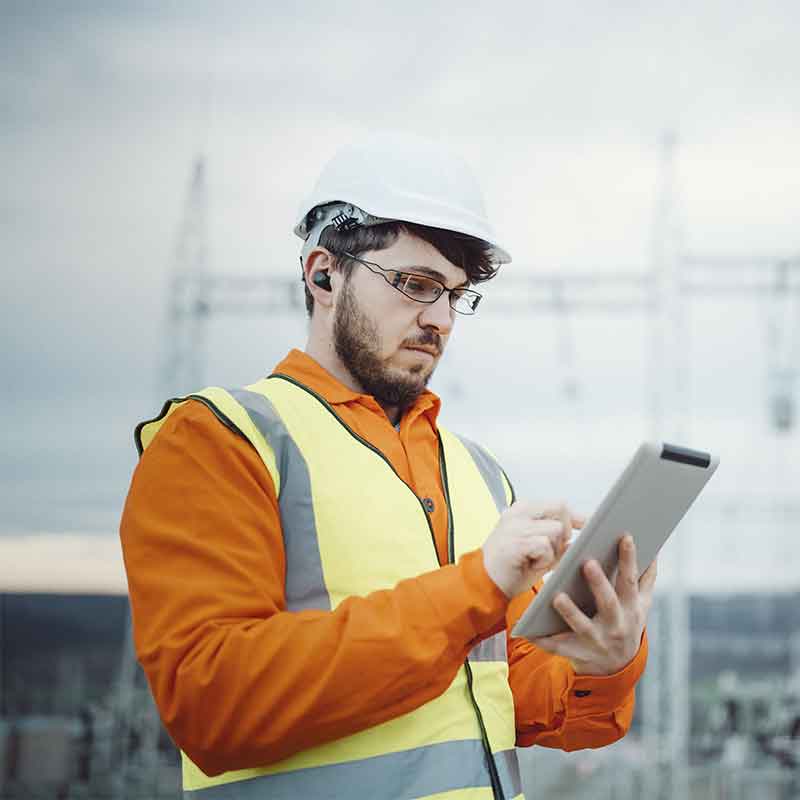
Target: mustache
428, 338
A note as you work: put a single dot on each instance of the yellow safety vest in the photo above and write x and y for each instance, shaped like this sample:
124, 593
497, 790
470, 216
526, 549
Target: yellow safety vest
461, 743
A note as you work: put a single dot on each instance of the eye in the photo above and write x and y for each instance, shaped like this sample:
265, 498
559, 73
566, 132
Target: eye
417, 286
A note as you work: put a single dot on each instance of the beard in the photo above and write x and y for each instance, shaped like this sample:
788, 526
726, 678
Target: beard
358, 344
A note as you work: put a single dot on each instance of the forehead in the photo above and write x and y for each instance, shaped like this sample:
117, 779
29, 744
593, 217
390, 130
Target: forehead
412, 254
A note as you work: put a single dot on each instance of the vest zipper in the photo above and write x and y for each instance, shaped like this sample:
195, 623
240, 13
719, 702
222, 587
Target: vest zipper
497, 786
370, 446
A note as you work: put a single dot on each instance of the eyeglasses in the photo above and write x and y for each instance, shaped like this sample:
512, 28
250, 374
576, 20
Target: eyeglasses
422, 288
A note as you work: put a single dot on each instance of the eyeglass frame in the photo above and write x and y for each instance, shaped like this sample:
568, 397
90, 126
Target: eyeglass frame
401, 274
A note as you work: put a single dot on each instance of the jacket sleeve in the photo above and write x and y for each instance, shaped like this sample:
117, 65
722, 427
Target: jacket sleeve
239, 681
554, 707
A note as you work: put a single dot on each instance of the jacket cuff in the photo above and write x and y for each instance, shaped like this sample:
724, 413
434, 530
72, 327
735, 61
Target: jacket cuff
589, 695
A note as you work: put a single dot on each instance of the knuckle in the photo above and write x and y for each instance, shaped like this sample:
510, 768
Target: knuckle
595, 636
563, 605
586, 627
617, 634
554, 647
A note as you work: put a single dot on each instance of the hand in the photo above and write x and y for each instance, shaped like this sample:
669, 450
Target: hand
606, 643
527, 542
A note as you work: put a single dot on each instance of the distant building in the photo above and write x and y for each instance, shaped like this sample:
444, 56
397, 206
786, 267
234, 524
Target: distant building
62, 657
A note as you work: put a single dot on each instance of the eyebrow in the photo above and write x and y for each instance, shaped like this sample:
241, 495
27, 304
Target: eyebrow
433, 274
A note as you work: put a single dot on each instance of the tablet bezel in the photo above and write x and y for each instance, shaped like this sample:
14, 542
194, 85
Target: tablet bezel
651, 464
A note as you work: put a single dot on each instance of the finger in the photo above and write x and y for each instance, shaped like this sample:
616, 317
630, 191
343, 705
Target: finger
539, 528
566, 533
608, 604
557, 643
561, 513
547, 510
540, 552
627, 583
540, 532
555, 511
579, 521
572, 615
648, 580
532, 510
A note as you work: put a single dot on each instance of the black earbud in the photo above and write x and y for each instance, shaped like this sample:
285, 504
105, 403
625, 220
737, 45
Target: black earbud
323, 280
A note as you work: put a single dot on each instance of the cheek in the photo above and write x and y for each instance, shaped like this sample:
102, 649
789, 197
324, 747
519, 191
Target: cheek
395, 328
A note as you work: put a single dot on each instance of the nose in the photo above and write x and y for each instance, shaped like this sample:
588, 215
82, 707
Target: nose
438, 315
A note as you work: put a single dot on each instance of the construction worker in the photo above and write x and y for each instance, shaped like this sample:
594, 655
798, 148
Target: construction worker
322, 578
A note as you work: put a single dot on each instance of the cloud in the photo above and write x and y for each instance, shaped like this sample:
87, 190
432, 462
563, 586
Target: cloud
103, 107
62, 563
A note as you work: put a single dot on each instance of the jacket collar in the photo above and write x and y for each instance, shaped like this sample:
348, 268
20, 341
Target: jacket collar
310, 373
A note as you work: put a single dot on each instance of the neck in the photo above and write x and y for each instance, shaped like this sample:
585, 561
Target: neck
324, 353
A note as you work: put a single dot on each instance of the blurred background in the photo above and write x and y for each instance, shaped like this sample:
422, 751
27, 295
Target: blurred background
641, 165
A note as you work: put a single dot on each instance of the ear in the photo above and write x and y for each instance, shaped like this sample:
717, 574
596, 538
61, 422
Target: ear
318, 260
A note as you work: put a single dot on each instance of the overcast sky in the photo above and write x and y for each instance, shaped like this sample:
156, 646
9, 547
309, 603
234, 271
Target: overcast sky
559, 107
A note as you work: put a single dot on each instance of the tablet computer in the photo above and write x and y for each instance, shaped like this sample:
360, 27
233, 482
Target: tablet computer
648, 500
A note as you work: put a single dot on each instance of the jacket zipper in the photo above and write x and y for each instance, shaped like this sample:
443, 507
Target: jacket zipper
497, 786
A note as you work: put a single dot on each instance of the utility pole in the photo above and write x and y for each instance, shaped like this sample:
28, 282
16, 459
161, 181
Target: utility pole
184, 332
783, 344
665, 686
186, 322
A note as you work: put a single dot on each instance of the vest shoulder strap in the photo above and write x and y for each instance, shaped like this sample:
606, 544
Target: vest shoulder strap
492, 473
228, 410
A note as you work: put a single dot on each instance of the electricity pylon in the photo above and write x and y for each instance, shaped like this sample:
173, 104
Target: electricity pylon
185, 327
138, 727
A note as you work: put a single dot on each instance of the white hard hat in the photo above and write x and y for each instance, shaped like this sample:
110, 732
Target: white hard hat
397, 177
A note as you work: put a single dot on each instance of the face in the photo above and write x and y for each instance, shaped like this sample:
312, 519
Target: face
388, 342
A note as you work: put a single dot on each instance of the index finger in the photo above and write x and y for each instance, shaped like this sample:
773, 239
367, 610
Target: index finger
549, 510
566, 530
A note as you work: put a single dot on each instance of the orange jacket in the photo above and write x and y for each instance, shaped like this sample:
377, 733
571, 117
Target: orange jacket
240, 682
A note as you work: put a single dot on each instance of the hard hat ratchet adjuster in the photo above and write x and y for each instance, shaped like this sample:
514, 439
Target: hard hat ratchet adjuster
342, 216
344, 222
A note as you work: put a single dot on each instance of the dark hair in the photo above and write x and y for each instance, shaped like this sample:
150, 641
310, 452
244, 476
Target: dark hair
471, 254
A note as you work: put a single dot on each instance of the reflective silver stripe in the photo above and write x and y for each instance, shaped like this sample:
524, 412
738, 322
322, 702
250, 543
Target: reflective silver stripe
305, 585
491, 649
408, 774
508, 770
490, 471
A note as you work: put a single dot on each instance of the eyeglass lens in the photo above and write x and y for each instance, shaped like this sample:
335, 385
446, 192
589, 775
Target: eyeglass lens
428, 290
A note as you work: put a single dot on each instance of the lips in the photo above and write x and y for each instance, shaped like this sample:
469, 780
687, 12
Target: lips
429, 350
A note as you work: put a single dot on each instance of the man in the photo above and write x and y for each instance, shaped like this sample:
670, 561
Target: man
322, 578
